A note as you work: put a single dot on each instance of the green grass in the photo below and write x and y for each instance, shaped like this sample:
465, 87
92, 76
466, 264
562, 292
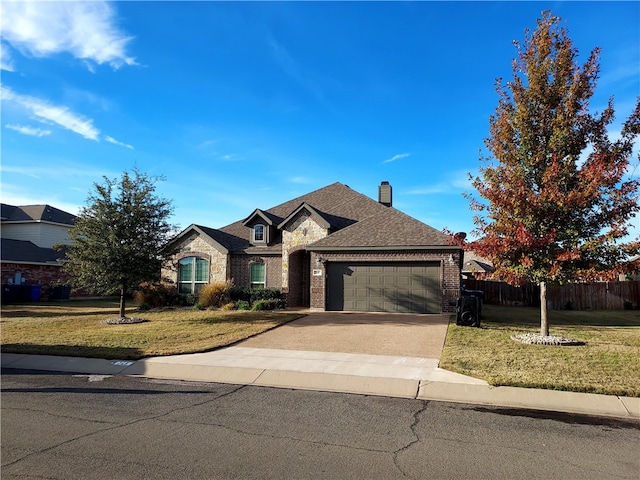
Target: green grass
607, 363
75, 329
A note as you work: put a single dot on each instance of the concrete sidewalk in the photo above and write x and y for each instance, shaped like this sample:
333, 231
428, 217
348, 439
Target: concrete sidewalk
386, 375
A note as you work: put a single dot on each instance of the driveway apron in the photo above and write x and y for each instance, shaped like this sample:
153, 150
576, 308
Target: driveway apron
362, 333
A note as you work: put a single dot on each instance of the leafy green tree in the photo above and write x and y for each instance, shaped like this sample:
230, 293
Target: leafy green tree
557, 194
119, 237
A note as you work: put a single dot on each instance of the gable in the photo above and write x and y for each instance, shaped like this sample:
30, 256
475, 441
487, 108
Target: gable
193, 234
300, 214
349, 218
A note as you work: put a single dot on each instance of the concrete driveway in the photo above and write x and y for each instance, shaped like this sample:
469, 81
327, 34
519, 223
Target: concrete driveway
361, 333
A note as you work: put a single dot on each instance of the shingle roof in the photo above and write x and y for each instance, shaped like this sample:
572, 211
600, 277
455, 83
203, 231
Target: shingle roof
35, 213
355, 220
386, 229
20, 251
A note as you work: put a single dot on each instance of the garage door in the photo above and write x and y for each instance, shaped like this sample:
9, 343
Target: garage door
384, 287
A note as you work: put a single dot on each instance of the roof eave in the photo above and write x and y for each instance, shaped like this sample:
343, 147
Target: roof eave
312, 248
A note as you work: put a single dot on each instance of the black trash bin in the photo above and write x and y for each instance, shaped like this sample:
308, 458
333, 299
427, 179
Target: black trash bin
468, 311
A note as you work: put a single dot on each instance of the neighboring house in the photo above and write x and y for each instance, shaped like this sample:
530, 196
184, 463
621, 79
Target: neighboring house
633, 271
331, 249
476, 267
28, 235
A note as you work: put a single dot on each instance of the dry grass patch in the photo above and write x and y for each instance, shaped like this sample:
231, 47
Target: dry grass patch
76, 329
607, 363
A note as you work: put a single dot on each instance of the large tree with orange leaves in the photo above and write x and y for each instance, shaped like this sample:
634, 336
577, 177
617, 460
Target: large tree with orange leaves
557, 197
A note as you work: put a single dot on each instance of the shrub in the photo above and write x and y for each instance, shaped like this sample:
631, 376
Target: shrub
243, 305
240, 294
258, 294
214, 294
267, 304
156, 295
143, 307
188, 299
229, 306
198, 306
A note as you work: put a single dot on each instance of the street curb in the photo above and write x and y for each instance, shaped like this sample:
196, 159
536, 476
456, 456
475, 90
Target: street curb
513, 397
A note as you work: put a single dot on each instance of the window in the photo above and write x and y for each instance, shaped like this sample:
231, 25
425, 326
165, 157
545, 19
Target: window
193, 274
258, 233
257, 275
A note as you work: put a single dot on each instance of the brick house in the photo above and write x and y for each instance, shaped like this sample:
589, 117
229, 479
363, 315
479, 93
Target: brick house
28, 235
331, 249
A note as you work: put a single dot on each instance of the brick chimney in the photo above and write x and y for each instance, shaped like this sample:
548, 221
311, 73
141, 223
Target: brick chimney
384, 194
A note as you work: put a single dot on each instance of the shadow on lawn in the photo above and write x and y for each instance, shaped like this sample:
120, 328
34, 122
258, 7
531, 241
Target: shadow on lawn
111, 311
107, 353
510, 317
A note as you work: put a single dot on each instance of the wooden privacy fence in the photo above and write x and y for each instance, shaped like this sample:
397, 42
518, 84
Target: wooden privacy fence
572, 296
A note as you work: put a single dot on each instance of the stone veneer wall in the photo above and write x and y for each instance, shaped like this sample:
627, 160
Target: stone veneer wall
450, 271
298, 234
195, 246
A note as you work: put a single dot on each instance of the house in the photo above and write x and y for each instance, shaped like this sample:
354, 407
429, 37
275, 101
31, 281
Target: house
331, 249
476, 267
632, 272
28, 235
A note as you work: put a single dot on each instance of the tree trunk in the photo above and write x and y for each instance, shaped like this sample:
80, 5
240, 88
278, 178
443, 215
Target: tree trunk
122, 301
544, 321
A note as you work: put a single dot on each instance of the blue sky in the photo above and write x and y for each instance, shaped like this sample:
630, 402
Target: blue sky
245, 105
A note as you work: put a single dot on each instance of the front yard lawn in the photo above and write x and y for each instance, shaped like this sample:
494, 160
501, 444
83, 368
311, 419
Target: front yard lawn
75, 329
607, 363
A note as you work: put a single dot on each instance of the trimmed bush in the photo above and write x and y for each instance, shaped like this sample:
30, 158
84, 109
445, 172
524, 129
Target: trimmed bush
267, 304
214, 294
240, 294
257, 294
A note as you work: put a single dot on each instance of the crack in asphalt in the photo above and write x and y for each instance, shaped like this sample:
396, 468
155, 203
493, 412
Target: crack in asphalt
116, 426
414, 424
70, 417
279, 437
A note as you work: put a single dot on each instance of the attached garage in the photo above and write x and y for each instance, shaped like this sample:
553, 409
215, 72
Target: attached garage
403, 287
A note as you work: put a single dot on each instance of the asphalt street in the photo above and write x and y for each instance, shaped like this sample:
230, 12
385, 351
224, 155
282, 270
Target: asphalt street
66, 426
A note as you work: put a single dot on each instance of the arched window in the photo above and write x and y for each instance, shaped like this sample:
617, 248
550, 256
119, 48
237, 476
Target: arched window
258, 233
193, 274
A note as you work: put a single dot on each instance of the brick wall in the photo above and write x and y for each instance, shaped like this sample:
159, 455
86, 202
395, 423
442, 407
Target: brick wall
43, 275
450, 271
241, 270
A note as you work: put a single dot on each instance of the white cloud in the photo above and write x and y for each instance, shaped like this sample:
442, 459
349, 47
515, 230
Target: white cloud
16, 196
300, 180
86, 30
455, 183
116, 142
61, 116
26, 130
396, 157
6, 62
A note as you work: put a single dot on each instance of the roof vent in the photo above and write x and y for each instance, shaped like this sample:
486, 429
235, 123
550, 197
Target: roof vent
384, 194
